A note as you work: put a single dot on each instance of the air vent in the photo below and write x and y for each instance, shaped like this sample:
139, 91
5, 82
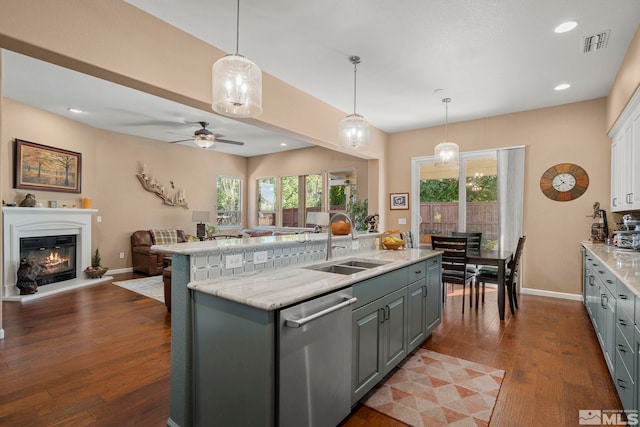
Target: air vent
595, 42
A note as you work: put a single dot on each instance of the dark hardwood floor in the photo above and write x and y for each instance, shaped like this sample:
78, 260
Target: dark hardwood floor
99, 356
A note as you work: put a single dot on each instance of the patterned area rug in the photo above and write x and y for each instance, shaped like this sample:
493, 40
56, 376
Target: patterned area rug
433, 389
151, 287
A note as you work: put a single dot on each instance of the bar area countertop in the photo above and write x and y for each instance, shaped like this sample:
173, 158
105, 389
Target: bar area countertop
623, 263
271, 290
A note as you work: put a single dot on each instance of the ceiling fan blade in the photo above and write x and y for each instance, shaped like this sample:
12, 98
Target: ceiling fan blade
182, 140
228, 141
178, 133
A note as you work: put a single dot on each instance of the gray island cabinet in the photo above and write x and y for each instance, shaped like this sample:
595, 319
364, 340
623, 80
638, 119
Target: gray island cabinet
612, 300
231, 361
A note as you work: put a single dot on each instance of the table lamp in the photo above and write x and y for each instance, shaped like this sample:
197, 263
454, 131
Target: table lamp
200, 217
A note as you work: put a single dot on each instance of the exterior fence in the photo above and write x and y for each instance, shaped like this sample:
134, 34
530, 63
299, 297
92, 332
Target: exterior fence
442, 218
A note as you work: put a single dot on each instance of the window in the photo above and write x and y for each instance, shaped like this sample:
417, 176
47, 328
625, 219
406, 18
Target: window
228, 202
290, 189
267, 201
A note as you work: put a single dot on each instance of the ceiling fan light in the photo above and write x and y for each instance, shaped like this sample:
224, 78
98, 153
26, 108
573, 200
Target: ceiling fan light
446, 154
204, 140
353, 132
237, 87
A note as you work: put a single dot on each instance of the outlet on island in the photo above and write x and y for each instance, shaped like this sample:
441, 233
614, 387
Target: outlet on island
260, 257
233, 261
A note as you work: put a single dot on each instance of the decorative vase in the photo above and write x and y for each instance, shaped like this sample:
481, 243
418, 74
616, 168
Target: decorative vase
340, 228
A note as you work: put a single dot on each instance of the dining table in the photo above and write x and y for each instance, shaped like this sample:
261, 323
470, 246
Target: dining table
494, 257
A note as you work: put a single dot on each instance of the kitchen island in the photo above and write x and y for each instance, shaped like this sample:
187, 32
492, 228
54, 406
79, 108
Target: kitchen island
227, 339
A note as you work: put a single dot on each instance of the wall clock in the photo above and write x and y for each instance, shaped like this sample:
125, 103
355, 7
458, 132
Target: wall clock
564, 182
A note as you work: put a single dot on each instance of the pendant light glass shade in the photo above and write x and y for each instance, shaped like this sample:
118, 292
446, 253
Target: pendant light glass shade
237, 87
236, 83
353, 131
447, 152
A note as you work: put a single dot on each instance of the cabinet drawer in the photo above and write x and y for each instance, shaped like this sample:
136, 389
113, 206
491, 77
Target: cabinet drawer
607, 277
372, 289
417, 271
624, 349
625, 300
624, 384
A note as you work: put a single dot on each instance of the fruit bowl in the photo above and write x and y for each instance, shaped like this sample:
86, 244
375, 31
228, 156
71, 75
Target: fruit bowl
393, 240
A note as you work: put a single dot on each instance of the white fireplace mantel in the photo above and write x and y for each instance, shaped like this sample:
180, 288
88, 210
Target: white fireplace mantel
33, 222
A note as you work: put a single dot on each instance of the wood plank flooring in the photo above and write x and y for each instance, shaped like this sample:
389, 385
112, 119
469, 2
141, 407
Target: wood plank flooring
100, 356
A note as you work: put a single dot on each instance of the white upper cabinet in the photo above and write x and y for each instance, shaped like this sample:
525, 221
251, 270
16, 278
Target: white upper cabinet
625, 158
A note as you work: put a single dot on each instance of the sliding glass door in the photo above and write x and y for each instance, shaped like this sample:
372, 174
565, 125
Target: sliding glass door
455, 198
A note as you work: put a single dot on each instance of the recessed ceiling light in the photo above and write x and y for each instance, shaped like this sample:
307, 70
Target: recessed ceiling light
283, 144
565, 26
562, 86
75, 110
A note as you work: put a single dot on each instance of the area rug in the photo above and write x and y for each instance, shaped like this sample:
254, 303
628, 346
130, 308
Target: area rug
151, 287
433, 389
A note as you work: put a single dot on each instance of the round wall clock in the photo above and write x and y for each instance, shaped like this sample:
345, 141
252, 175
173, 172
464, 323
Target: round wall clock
564, 182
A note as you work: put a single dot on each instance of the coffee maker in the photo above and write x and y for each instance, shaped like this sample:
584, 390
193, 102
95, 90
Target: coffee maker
599, 229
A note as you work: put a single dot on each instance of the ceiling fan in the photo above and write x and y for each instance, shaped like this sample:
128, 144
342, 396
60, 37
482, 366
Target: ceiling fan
205, 138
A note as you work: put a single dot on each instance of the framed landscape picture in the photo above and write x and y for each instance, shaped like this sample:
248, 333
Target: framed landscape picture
39, 167
399, 200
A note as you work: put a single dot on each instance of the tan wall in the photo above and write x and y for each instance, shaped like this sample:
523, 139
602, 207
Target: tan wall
110, 162
573, 133
302, 162
626, 83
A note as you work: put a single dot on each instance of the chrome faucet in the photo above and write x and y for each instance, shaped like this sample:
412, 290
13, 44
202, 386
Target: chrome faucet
335, 216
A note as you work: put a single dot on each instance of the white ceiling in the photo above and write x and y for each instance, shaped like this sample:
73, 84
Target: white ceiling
490, 56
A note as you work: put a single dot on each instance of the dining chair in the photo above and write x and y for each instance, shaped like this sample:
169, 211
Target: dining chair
474, 239
489, 274
454, 264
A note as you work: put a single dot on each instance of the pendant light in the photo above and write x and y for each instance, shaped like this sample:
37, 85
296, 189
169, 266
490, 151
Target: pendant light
237, 83
354, 130
446, 152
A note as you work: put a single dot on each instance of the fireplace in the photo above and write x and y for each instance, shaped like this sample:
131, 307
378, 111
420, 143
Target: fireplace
53, 257
58, 226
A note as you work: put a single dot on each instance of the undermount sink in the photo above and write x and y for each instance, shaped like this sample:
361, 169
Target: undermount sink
363, 264
338, 269
348, 267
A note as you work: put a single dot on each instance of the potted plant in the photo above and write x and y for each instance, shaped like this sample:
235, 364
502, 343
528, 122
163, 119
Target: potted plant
95, 270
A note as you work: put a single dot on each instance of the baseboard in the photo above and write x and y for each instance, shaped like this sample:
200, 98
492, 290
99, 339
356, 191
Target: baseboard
551, 294
120, 270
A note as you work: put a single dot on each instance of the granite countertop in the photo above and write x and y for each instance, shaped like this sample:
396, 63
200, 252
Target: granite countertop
274, 289
623, 263
191, 248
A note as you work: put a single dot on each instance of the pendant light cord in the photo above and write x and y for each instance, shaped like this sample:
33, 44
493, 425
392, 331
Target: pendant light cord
446, 118
237, 27
355, 82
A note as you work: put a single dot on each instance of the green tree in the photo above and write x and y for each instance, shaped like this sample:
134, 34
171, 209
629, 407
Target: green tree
439, 190
289, 192
337, 195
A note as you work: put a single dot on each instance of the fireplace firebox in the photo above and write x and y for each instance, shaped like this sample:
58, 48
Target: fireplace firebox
53, 257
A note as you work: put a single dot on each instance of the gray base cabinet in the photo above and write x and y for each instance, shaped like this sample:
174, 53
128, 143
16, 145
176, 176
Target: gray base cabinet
395, 313
613, 310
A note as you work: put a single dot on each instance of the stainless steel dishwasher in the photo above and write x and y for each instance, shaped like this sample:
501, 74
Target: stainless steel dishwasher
314, 369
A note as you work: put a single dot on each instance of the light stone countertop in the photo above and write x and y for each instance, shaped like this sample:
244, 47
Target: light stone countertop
274, 289
624, 264
192, 248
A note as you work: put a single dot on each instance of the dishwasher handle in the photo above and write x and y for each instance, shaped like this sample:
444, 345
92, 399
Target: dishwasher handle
301, 322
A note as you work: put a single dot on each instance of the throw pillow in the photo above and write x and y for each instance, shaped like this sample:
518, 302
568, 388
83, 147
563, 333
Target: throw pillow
164, 237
